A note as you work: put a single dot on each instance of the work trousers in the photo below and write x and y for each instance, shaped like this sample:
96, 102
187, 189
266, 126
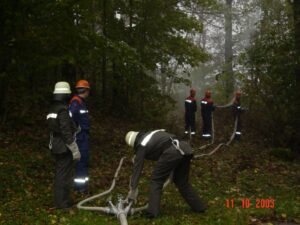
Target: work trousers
82, 166
63, 179
238, 131
207, 125
172, 160
190, 122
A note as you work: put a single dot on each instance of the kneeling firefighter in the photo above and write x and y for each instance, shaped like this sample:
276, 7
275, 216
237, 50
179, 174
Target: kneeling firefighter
171, 155
62, 144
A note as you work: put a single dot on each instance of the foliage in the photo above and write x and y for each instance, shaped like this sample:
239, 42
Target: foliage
113, 44
241, 171
271, 82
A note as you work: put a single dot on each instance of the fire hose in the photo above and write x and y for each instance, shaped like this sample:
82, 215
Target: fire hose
213, 136
122, 208
219, 145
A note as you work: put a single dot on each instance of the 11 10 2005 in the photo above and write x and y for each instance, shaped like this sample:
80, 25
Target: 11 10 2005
260, 203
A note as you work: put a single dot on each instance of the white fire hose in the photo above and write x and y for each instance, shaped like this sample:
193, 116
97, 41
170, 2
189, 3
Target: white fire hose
120, 210
213, 136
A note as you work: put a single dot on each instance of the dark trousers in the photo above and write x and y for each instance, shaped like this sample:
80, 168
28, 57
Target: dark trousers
238, 132
172, 160
190, 122
207, 124
63, 179
82, 166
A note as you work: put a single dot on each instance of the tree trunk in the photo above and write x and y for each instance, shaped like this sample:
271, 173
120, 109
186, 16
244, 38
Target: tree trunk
297, 39
295, 140
163, 79
114, 87
104, 60
229, 79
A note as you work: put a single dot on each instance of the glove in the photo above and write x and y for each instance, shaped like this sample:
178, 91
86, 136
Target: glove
132, 195
75, 151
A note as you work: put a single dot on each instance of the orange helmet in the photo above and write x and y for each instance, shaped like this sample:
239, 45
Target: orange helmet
207, 93
83, 84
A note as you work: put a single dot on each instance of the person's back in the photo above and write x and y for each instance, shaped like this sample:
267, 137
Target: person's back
190, 110
171, 154
207, 107
62, 144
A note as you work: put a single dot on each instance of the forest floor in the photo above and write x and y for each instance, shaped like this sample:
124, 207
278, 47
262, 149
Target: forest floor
245, 170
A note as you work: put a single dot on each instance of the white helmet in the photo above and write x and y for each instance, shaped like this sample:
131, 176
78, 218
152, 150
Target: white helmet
62, 88
130, 138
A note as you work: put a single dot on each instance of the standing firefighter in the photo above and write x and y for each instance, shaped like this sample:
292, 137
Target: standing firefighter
62, 144
237, 110
171, 155
190, 110
207, 107
81, 118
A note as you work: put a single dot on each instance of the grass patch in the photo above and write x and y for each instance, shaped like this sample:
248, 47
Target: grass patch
242, 171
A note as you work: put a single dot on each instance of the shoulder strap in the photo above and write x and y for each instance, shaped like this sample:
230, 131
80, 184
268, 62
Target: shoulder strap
76, 98
61, 108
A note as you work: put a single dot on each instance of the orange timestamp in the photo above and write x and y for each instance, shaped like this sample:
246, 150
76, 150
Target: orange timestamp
260, 203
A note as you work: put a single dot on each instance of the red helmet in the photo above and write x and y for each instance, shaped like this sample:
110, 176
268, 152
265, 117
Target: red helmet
193, 92
238, 93
83, 84
207, 93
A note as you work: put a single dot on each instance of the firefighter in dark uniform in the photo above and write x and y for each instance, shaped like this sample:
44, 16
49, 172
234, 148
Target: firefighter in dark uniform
171, 155
237, 110
62, 144
207, 107
80, 114
190, 110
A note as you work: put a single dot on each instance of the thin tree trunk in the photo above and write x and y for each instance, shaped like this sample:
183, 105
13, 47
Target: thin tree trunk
115, 84
297, 39
163, 80
295, 141
5, 100
104, 60
229, 79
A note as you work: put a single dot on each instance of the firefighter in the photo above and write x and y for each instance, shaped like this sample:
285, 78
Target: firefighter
62, 144
190, 110
207, 107
237, 110
80, 114
171, 154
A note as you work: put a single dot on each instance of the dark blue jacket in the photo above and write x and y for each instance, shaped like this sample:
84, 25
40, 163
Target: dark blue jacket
190, 106
80, 113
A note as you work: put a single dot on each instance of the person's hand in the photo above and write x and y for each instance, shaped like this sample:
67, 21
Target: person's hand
75, 151
132, 195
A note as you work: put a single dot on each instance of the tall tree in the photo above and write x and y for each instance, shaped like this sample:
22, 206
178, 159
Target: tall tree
296, 8
228, 67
